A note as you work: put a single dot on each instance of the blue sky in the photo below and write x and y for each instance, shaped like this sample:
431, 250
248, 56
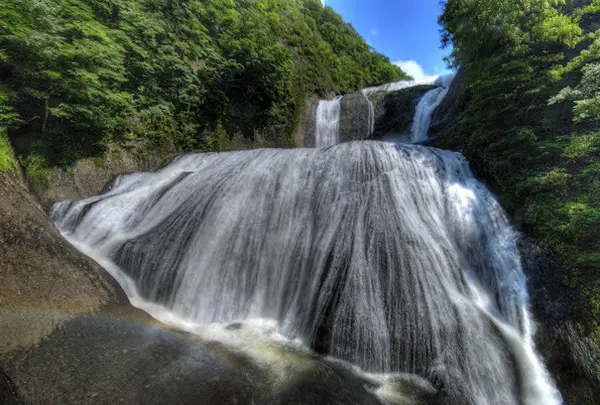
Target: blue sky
404, 30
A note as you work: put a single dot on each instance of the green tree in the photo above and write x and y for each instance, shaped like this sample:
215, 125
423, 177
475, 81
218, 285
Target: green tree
528, 121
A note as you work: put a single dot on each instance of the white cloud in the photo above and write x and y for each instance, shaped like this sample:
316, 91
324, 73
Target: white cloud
442, 70
415, 70
374, 32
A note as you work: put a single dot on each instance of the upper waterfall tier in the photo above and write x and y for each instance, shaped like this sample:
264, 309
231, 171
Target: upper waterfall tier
392, 257
328, 123
398, 111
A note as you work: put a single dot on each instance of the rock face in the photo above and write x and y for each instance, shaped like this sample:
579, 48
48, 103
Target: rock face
394, 112
354, 122
311, 127
304, 130
393, 115
572, 358
45, 281
88, 176
443, 118
354, 118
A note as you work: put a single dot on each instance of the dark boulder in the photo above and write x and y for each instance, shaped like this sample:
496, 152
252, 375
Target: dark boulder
100, 360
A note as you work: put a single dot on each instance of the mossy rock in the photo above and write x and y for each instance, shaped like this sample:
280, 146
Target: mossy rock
354, 118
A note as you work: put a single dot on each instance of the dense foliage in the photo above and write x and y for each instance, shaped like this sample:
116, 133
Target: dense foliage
76, 75
529, 121
7, 162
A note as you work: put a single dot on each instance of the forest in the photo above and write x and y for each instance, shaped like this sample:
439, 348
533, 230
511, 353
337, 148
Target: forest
528, 121
80, 76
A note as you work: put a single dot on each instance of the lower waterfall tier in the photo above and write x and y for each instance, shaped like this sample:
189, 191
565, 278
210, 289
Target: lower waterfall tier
392, 257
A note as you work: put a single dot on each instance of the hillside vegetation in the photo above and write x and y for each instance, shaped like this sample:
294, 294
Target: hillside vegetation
529, 122
77, 75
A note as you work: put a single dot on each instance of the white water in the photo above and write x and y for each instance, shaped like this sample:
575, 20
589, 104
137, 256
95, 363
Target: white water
426, 107
327, 132
395, 86
327, 124
371, 120
419, 130
393, 258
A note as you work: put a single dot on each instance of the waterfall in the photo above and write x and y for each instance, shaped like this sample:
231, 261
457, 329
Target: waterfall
391, 257
395, 86
428, 104
328, 123
430, 101
371, 121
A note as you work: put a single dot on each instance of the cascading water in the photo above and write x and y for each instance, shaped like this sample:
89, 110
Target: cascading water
392, 257
371, 113
395, 86
389, 87
328, 123
430, 101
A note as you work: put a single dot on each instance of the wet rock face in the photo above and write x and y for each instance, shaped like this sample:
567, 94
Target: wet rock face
304, 131
311, 128
68, 334
572, 358
8, 394
42, 276
551, 301
88, 176
95, 360
354, 118
394, 111
443, 119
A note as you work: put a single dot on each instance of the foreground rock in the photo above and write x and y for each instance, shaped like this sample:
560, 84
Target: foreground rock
68, 335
